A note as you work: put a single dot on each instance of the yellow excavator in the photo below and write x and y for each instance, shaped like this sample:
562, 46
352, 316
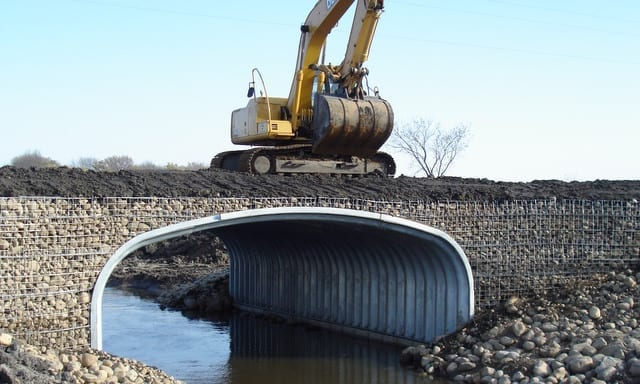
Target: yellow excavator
331, 122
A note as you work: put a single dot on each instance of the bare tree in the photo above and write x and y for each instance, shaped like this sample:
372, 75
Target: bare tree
33, 159
432, 148
114, 163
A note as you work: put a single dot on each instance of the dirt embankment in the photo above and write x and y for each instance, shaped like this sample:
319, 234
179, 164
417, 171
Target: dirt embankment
186, 273
587, 336
73, 182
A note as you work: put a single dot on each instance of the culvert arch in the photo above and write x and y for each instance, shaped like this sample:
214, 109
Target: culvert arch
364, 273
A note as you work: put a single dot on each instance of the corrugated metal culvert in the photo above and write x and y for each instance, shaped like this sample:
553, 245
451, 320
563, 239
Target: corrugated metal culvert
394, 280
360, 272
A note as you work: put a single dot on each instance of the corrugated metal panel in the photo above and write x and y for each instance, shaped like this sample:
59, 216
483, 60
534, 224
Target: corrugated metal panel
386, 281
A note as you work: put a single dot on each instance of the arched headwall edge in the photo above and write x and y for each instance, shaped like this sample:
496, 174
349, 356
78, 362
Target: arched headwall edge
365, 272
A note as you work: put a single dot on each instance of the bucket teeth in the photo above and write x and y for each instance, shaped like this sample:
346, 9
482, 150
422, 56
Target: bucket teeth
350, 127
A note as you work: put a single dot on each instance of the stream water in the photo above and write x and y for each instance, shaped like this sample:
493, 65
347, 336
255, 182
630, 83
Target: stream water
243, 349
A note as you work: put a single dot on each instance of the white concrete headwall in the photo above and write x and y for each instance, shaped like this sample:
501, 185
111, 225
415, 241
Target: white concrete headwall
52, 249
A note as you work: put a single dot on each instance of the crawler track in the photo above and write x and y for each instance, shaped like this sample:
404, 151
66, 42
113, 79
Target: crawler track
296, 159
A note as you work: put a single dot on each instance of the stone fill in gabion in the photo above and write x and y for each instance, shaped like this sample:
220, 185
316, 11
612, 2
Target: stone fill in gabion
52, 249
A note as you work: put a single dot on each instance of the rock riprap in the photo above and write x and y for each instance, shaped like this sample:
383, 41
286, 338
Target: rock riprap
23, 363
583, 334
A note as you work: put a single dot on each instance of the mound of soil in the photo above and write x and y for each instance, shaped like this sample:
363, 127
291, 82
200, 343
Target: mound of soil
74, 182
153, 269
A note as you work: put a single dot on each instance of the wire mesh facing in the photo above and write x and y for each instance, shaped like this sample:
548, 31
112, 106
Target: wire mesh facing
52, 249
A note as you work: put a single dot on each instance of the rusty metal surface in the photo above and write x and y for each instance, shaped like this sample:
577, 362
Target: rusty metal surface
350, 127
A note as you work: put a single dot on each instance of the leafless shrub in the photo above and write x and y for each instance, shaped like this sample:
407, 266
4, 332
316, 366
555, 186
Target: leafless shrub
432, 148
115, 163
33, 159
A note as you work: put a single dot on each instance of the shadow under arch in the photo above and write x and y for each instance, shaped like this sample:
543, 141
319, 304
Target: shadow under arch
360, 272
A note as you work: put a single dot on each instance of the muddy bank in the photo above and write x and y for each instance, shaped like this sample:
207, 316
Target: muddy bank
203, 296
189, 273
158, 268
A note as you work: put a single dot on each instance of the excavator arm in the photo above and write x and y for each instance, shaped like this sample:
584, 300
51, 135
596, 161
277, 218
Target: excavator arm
349, 74
364, 26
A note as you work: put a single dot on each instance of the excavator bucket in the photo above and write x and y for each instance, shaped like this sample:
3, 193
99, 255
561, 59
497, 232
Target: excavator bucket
350, 127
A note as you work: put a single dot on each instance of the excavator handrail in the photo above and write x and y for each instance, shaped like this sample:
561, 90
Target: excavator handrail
264, 86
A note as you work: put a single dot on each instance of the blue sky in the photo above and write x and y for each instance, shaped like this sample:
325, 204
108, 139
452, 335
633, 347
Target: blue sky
549, 89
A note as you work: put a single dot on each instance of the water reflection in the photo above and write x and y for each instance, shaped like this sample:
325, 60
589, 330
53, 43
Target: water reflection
280, 353
191, 350
243, 349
